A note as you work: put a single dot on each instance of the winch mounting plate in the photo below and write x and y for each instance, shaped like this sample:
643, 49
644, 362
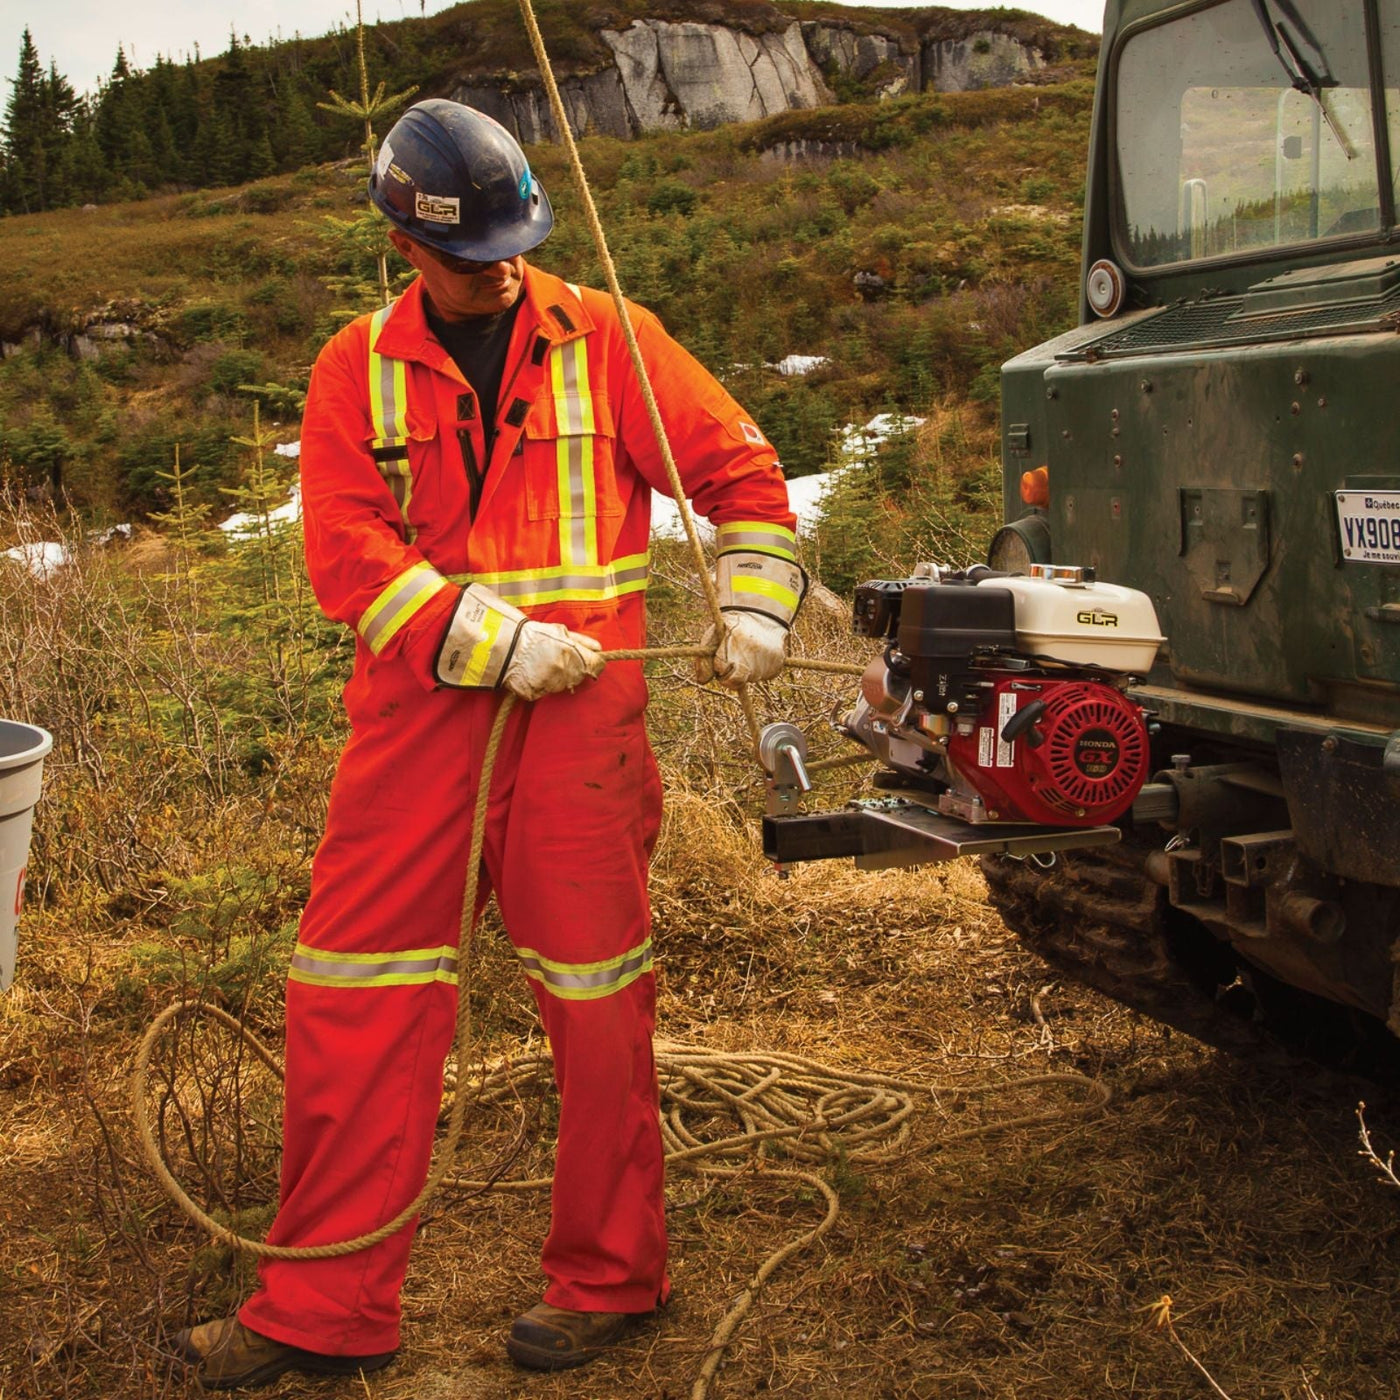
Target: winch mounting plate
886, 834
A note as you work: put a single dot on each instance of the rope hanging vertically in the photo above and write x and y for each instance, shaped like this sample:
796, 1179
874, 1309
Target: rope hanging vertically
600, 242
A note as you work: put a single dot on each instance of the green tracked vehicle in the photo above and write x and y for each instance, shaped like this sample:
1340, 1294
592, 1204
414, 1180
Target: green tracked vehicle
1222, 432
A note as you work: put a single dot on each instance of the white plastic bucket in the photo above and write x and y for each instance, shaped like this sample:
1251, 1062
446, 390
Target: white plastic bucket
22, 750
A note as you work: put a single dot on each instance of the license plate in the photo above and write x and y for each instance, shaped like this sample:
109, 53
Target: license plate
1369, 523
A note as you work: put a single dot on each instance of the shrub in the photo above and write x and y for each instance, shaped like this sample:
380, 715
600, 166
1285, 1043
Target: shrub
671, 197
237, 367
210, 320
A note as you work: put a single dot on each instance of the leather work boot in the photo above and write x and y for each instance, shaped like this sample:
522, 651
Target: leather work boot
229, 1355
554, 1339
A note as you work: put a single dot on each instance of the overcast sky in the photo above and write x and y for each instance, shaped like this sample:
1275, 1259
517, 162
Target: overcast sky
81, 36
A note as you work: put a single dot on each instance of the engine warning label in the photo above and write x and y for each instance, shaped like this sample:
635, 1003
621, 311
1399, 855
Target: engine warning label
1006, 707
1096, 753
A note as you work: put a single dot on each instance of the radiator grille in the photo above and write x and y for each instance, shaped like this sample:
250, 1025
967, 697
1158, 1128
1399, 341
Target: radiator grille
1217, 321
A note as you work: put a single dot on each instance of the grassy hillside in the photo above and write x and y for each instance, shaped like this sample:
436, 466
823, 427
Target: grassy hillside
962, 211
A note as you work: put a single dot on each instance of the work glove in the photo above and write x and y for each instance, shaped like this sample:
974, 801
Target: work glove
490, 644
549, 658
753, 648
760, 587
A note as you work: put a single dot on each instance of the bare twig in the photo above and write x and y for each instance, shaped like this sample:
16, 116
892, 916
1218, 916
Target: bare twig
1385, 1165
1161, 1312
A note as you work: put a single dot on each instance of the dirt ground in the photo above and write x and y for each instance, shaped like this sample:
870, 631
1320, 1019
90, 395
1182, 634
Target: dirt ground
1011, 1264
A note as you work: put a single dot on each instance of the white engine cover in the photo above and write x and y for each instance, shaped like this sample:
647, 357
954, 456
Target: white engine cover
1084, 624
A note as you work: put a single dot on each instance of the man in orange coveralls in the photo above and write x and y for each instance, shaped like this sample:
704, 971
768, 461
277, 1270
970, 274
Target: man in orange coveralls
477, 468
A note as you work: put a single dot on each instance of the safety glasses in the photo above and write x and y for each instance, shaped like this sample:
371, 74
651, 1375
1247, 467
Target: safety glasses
463, 266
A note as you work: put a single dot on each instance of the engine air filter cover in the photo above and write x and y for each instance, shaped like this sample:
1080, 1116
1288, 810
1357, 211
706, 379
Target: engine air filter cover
1081, 763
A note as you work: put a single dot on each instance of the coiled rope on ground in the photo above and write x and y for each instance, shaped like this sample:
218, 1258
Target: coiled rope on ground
789, 1109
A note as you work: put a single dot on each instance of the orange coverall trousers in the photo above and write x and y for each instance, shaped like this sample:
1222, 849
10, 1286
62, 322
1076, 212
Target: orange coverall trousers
575, 807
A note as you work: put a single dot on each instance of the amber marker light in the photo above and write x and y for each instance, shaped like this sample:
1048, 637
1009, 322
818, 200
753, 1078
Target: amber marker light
1035, 487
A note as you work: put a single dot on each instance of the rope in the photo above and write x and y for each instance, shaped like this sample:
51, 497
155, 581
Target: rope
658, 428
806, 1110
788, 1106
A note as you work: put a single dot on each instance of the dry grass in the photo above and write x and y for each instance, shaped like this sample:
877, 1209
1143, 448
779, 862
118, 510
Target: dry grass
1009, 1266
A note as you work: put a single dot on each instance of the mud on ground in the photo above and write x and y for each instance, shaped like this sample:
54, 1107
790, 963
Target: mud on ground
1012, 1265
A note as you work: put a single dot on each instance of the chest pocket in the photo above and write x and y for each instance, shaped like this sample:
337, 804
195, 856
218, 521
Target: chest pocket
569, 455
394, 422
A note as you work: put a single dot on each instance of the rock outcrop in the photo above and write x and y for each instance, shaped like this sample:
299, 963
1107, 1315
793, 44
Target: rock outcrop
668, 74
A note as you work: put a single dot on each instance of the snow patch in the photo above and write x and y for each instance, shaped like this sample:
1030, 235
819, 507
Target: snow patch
799, 364
246, 523
859, 443
40, 559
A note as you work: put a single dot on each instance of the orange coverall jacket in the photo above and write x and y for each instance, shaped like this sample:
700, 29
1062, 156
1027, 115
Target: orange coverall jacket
558, 522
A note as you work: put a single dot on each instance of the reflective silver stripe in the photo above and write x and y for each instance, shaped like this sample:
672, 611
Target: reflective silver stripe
590, 584
745, 536
526, 587
398, 602
575, 425
587, 981
388, 411
574, 521
407, 967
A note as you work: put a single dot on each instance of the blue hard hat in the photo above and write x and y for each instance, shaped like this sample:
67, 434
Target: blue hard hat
455, 179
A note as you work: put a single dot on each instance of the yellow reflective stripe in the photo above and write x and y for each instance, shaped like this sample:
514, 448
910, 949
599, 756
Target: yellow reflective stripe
757, 535
474, 672
563, 409
404, 968
388, 389
590, 499
767, 589
408, 593
565, 455
388, 411
566, 583
587, 981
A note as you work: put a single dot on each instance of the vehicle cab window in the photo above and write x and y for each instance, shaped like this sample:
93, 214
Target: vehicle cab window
1268, 136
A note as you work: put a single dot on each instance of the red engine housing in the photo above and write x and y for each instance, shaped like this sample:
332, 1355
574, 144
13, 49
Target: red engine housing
1080, 763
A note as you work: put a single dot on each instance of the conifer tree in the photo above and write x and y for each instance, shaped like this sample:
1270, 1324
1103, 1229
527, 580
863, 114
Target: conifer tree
120, 127
234, 103
368, 108
86, 176
60, 105
186, 519
294, 138
38, 120
23, 124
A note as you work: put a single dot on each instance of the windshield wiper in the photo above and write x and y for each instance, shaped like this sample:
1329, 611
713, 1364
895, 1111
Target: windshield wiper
1300, 72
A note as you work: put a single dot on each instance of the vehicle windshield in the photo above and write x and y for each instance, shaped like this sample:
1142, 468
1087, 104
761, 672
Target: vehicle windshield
1248, 125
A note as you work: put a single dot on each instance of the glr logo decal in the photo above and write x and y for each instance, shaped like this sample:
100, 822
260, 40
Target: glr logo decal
1096, 617
437, 208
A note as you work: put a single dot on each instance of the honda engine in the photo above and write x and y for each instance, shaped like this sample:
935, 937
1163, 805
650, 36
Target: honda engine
1001, 698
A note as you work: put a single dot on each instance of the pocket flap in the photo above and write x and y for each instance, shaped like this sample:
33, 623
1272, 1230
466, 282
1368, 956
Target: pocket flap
582, 414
